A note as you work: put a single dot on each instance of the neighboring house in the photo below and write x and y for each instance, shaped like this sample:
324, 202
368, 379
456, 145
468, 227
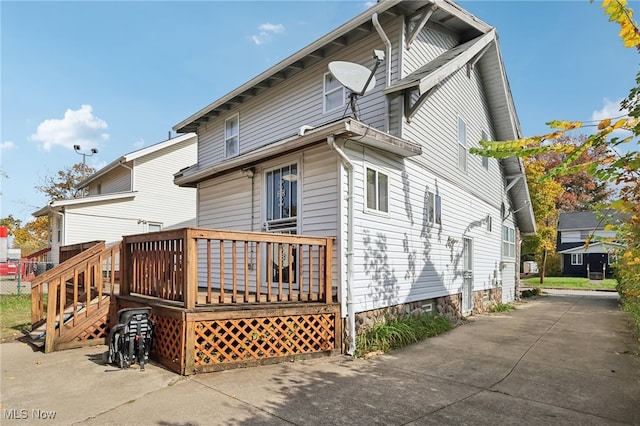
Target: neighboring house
579, 259
133, 194
420, 222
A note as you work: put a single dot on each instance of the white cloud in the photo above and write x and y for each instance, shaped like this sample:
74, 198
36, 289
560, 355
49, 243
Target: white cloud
7, 145
266, 30
78, 127
369, 4
609, 110
138, 144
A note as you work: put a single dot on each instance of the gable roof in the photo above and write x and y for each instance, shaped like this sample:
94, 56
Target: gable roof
447, 14
576, 221
57, 205
134, 155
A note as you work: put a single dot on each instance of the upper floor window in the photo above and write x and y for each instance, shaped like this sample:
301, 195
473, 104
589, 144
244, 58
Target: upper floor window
377, 191
462, 144
232, 136
434, 209
334, 93
485, 160
508, 241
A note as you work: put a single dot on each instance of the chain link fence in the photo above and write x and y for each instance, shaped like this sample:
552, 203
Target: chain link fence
21, 283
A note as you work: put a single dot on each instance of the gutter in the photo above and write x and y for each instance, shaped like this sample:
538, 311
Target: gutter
351, 315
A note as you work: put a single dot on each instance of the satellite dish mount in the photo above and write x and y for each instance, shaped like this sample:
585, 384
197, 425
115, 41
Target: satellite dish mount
357, 78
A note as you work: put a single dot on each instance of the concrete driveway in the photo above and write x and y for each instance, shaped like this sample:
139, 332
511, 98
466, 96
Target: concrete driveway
558, 359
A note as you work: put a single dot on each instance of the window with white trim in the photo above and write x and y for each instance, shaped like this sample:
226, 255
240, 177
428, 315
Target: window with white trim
232, 136
508, 242
333, 93
154, 226
485, 160
377, 191
489, 223
462, 144
434, 209
576, 258
282, 198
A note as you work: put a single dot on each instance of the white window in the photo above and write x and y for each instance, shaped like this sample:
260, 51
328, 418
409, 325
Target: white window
508, 242
489, 223
434, 209
334, 93
377, 191
485, 160
462, 144
154, 227
576, 258
232, 136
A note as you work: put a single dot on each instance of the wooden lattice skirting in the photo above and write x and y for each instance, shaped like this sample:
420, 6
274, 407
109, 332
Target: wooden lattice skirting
189, 342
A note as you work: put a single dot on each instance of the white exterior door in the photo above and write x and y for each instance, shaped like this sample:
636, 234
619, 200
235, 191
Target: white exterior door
467, 275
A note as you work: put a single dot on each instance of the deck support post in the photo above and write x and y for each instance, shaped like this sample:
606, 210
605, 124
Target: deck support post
190, 270
328, 260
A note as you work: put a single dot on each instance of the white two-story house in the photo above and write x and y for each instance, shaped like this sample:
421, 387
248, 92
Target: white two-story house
421, 223
133, 194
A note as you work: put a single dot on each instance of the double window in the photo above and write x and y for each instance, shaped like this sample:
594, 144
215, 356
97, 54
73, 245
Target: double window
508, 242
232, 136
377, 191
576, 258
334, 93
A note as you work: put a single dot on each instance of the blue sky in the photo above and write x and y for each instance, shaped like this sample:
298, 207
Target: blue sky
118, 75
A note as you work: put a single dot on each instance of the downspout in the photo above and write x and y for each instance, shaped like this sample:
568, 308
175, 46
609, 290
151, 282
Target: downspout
130, 174
351, 315
387, 43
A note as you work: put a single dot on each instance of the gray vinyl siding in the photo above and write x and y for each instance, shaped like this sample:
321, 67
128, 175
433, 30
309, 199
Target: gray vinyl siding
400, 257
225, 202
279, 112
435, 127
427, 46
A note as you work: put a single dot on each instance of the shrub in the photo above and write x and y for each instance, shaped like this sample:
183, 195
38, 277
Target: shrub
394, 333
536, 291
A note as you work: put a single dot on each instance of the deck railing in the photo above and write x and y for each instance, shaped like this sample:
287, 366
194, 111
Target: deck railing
210, 266
74, 291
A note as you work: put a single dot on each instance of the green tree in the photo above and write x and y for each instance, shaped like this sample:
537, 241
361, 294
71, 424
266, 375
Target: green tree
543, 202
64, 184
619, 164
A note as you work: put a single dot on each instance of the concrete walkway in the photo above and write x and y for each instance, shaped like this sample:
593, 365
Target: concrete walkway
559, 359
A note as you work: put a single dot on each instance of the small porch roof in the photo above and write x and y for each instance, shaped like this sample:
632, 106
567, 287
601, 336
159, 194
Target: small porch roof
346, 128
57, 205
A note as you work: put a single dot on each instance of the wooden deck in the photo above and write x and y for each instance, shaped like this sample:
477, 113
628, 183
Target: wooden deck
221, 299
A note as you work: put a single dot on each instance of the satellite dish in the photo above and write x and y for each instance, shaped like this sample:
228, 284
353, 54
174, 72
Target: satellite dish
355, 77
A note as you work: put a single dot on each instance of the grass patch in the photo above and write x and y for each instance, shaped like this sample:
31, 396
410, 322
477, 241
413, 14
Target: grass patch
16, 315
571, 283
396, 333
502, 307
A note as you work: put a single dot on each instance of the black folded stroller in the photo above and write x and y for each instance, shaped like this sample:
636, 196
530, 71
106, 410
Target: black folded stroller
131, 338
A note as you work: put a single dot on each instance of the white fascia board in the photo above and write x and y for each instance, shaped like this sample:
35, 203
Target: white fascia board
55, 205
456, 63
